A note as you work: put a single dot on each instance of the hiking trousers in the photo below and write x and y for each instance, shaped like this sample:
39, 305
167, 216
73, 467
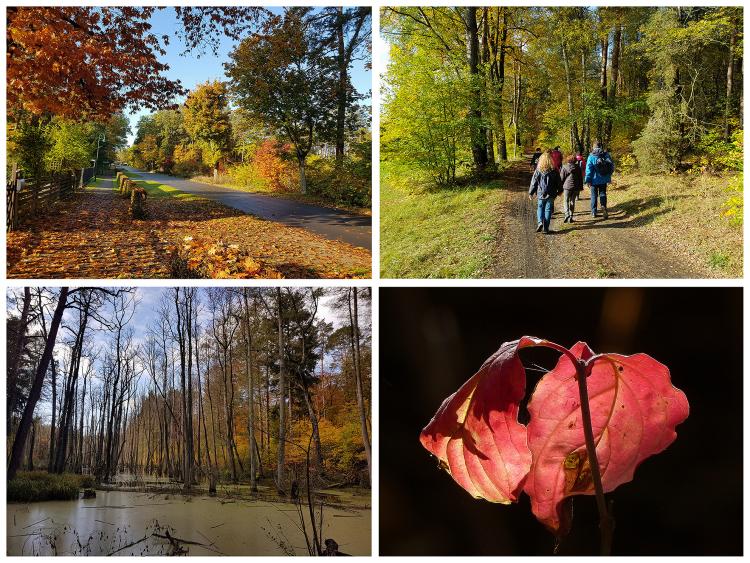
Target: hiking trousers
602, 193
569, 202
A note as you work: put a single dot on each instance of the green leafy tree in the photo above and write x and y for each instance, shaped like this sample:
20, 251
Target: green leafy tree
282, 78
206, 120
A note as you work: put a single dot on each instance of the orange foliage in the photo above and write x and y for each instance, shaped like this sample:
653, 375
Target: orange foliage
218, 260
270, 165
84, 61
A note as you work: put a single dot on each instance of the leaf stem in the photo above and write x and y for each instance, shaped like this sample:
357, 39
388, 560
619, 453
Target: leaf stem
606, 522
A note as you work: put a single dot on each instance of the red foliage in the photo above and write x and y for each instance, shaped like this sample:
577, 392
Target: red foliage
478, 439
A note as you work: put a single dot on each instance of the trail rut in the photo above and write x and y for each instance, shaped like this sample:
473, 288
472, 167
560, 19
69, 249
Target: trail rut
587, 248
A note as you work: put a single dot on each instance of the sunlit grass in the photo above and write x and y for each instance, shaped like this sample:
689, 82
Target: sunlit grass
435, 233
687, 213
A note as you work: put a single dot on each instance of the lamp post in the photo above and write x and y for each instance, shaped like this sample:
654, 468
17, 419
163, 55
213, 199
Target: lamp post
102, 138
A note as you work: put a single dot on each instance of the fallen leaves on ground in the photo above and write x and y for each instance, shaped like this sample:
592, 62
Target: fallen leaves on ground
204, 259
92, 236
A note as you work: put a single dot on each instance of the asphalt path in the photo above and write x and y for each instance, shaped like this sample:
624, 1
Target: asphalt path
325, 221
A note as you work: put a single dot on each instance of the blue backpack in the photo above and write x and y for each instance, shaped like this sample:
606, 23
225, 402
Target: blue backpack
604, 165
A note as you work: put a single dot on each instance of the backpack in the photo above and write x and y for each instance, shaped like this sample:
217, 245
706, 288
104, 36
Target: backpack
545, 185
604, 165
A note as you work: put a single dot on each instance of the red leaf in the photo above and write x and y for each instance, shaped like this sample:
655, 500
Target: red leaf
477, 437
476, 434
634, 411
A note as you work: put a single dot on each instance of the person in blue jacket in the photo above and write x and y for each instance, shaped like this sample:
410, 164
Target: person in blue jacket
599, 169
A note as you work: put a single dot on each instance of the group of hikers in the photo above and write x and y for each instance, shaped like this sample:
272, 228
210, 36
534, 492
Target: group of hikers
551, 177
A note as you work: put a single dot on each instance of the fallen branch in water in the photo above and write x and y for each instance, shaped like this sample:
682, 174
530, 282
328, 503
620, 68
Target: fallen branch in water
35, 523
174, 542
144, 538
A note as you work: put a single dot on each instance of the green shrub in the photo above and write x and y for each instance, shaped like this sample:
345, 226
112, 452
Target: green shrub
718, 153
658, 146
34, 486
349, 184
719, 260
734, 206
244, 175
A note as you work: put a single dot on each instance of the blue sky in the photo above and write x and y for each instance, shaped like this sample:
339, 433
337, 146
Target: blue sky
147, 306
194, 68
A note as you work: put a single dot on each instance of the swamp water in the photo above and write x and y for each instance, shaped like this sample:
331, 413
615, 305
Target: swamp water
171, 523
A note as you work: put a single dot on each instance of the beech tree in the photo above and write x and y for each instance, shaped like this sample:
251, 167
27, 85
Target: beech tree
283, 77
87, 62
206, 120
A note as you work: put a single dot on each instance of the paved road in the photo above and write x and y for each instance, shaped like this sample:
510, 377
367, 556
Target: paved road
329, 223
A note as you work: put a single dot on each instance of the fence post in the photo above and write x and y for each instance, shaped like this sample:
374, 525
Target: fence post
11, 200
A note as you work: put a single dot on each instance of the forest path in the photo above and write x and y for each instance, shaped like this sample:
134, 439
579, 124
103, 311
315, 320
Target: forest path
329, 223
617, 247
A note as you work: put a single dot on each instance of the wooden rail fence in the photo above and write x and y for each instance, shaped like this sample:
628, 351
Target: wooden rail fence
28, 197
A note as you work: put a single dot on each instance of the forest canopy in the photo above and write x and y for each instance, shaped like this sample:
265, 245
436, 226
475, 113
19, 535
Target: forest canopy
197, 385
288, 110
468, 88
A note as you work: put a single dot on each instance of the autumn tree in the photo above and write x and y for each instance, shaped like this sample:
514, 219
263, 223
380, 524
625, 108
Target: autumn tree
282, 76
86, 64
35, 392
206, 120
93, 62
346, 33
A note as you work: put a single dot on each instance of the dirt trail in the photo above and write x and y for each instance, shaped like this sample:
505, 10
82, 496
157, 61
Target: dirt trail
588, 248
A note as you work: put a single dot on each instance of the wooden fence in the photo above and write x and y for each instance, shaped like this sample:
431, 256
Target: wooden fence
28, 197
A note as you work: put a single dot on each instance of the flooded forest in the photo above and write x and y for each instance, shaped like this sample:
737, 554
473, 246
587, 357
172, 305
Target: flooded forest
188, 421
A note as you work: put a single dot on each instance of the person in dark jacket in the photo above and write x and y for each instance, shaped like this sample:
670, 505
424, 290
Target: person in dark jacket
557, 158
599, 169
546, 184
535, 159
571, 176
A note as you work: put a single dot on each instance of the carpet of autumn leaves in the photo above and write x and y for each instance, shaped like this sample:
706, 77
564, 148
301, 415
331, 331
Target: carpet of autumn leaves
93, 236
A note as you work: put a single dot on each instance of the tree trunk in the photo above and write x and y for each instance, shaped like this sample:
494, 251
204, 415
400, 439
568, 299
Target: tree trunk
730, 83
575, 142
478, 131
53, 423
342, 84
36, 387
282, 398
487, 63
30, 463
250, 392
353, 317
302, 175
603, 85
501, 143
15, 357
614, 79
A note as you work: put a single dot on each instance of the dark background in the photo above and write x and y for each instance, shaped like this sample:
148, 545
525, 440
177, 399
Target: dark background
686, 500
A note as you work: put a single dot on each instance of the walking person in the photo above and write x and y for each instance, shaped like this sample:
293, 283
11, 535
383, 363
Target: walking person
571, 177
557, 158
546, 184
535, 159
580, 161
599, 169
